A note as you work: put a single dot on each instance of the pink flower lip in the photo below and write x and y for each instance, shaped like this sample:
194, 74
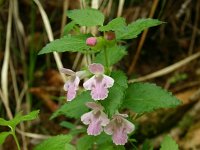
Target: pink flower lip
95, 119
99, 83
91, 41
96, 68
67, 71
71, 85
119, 127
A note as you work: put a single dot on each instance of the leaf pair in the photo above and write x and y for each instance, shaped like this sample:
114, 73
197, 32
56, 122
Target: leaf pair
132, 30
92, 17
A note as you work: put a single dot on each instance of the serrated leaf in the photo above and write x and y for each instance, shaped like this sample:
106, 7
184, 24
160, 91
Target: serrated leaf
75, 108
168, 144
85, 142
146, 97
114, 25
116, 93
86, 17
72, 43
135, 28
3, 136
54, 143
114, 54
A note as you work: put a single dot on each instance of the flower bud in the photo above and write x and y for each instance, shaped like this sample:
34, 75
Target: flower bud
91, 41
110, 35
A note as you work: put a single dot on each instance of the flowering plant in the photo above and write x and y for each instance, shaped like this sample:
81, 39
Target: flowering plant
107, 91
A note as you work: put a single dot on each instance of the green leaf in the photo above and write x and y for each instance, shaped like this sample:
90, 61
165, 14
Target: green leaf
168, 144
19, 118
135, 28
146, 97
4, 122
86, 142
31, 116
75, 108
69, 147
114, 54
114, 25
67, 124
3, 136
55, 143
104, 142
86, 17
116, 93
72, 43
68, 27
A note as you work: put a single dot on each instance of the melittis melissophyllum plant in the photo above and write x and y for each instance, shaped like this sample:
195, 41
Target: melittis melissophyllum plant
99, 103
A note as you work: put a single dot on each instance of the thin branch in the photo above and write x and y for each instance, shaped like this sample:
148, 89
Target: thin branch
33, 135
64, 17
168, 69
195, 29
50, 36
4, 71
143, 37
120, 8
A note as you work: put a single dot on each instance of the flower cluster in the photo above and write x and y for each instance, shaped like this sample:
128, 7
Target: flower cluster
98, 84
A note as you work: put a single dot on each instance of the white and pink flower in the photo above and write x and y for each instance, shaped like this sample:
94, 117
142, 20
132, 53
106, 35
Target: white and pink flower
72, 84
95, 119
119, 127
99, 83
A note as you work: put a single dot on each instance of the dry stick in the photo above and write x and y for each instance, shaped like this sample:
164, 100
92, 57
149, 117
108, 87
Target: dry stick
4, 71
64, 18
75, 64
21, 39
195, 28
50, 36
132, 66
168, 69
32, 135
15, 87
109, 6
120, 8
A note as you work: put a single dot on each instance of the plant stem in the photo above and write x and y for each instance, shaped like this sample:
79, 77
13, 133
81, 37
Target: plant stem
16, 140
106, 56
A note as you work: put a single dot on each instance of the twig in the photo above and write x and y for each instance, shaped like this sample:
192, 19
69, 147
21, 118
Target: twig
167, 69
4, 71
50, 36
64, 18
108, 9
195, 28
15, 87
120, 8
143, 37
33, 135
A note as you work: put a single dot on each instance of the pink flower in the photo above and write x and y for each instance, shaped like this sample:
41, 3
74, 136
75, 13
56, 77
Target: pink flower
91, 41
71, 86
99, 83
95, 119
119, 127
